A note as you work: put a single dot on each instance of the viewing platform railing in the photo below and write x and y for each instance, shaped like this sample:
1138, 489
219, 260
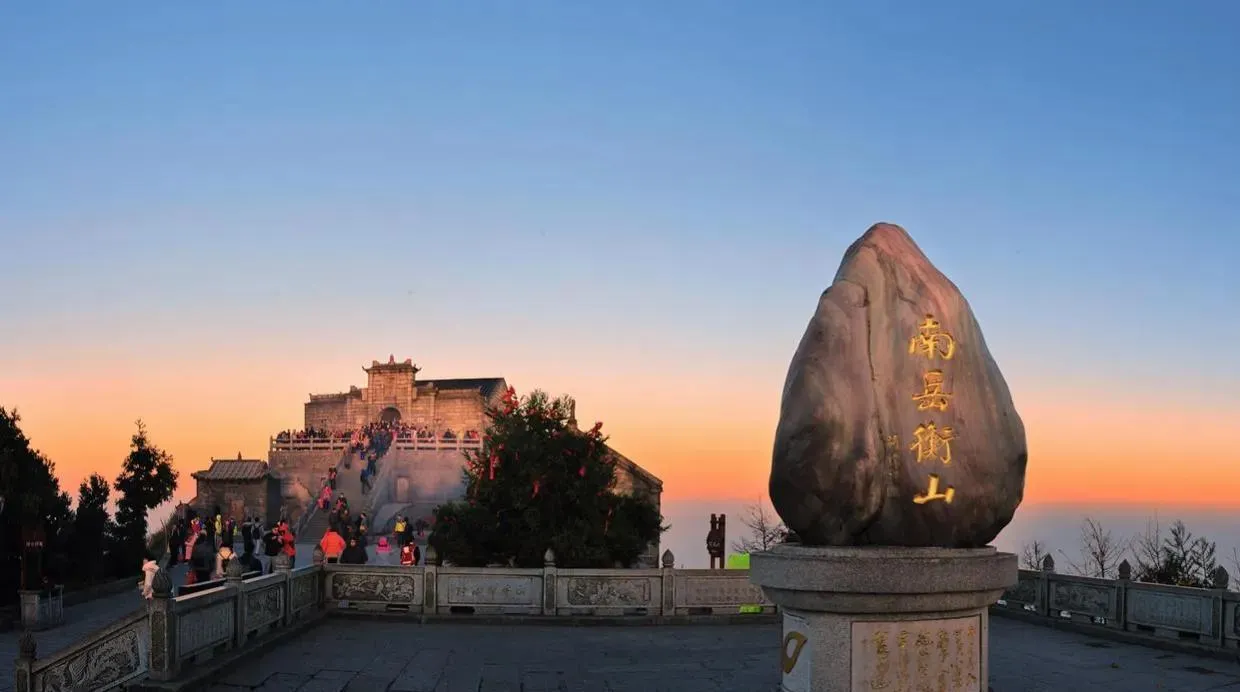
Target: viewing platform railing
404, 444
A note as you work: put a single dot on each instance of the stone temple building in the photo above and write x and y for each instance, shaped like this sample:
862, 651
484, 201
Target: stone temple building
239, 487
417, 473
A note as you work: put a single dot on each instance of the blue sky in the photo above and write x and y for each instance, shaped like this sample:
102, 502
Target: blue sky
688, 172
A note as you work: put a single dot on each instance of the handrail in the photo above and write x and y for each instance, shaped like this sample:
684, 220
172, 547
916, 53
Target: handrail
407, 444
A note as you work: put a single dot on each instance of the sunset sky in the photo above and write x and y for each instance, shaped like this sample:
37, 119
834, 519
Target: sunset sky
210, 210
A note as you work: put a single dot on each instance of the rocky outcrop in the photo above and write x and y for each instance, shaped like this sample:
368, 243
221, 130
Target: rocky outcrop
896, 427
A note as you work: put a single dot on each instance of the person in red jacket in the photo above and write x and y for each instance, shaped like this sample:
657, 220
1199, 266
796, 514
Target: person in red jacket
289, 542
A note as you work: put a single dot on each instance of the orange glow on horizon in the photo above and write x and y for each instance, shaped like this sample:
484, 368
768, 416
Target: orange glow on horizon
706, 440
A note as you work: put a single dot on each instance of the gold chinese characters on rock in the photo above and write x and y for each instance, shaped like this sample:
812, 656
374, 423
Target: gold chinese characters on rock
939, 655
932, 443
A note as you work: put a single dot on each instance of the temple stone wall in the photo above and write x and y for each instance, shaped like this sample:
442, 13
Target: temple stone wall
261, 498
300, 473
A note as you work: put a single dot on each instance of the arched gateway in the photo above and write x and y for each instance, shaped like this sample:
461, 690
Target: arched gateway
389, 415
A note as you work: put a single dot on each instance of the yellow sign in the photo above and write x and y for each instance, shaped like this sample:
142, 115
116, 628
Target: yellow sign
931, 341
932, 395
933, 443
933, 492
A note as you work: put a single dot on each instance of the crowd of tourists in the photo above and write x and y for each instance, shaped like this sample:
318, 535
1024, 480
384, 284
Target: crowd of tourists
207, 544
391, 431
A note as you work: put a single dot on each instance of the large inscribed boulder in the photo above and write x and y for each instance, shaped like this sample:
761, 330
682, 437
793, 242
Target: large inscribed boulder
896, 426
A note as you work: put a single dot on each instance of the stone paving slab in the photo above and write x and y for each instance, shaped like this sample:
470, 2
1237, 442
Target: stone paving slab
401, 656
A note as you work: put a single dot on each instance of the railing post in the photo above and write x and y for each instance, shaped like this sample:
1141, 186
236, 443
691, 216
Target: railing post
232, 579
430, 587
165, 649
23, 674
1121, 594
549, 585
1219, 579
1044, 586
667, 601
284, 566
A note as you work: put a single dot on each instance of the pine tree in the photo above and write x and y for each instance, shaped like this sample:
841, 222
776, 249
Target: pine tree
537, 483
92, 526
146, 481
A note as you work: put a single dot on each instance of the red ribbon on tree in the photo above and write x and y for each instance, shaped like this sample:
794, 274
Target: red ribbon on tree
582, 471
493, 464
607, 522
537, 485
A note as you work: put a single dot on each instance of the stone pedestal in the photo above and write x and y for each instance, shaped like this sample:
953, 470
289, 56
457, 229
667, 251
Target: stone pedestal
896, 619
30, 609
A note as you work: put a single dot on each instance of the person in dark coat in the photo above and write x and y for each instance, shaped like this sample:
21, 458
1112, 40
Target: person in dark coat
354, 554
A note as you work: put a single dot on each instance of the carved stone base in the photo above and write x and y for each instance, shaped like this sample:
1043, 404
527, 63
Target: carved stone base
30, 610
883, 618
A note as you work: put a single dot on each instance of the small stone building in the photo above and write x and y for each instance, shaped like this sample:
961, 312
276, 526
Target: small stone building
240, 487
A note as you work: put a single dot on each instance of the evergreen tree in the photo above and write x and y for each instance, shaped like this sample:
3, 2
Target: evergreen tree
538, 483
30, 496
146, 481
92, 526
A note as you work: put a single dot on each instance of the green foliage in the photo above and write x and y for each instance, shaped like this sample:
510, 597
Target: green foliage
92, 527
146, 481
31, 496
1178, 559
538, 483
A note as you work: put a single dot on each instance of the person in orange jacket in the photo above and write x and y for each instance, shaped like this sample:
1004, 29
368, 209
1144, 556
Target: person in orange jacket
332, 546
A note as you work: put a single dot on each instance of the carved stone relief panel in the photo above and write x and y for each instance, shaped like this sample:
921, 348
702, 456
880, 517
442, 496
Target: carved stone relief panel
717, 591
384, 588
203, 628
608, 591
115, 659
1186, 612
486, 590
263, 607
1085, 599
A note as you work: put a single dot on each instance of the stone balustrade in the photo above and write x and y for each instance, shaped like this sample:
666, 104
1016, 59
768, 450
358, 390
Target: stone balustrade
438, 590
404, 444
174, 635
1207, 618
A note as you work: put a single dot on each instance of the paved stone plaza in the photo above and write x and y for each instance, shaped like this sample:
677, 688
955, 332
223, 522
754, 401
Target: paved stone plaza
375, 655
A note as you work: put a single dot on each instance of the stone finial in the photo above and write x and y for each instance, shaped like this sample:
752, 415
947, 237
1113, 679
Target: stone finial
669, 560
1125, 571
281, 563
432, 555
1048, 564
317, 557
161, 584
234, 571
1219, 577
549, 558
26, 646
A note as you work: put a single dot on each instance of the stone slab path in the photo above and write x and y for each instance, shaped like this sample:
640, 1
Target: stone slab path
371, 656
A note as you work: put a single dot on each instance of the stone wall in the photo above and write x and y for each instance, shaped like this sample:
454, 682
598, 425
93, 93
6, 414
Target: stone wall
261, 497
300, 474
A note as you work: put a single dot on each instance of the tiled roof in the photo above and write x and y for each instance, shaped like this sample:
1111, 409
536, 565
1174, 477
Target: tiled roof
489, 386
233, 470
